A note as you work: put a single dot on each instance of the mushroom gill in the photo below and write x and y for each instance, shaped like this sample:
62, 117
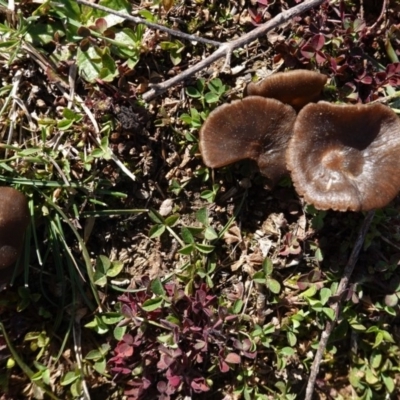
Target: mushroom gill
346, 157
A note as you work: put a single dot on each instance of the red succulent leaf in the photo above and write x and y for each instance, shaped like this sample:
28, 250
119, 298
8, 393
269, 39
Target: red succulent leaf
237, 344
121, 370
128, 339
146, 383
250, 354
307, 51
127, 311
165, 362
233, 358
223, 366
124, 349
320, 57
380, 78
247, 344
367, 80
256, 17
394, 81
200, 345
317, 42
392, 69
101, 25
199, 385
174, 380
162, 386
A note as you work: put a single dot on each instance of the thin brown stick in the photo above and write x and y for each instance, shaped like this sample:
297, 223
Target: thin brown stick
336, 305
152, 25
387, 99
227, 48
224, 49
381, 16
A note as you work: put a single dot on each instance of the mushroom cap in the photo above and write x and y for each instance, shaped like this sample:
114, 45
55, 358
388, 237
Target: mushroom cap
346, 157
296, 88
14, 219
254, 128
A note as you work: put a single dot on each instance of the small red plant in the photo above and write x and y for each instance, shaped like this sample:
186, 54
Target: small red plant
335, 40
173, 342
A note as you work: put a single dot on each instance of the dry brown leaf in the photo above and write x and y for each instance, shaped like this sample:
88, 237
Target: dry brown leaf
237, 264
233, 235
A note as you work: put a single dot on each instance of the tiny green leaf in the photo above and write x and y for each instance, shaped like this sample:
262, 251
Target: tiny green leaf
157, 287
210, 233
116, 268
68, 378
267, 266
202, 216
259, 277
186, 250
156, 217
205, 248
152, 304
325, 294
156, 231
171, 220
273, 285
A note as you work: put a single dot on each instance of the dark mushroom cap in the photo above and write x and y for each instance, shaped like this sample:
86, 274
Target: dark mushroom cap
346, 157
296, 88
254, 128
14, 219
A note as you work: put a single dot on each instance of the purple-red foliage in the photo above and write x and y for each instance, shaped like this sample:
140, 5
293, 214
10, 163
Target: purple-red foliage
336, 41
171, 349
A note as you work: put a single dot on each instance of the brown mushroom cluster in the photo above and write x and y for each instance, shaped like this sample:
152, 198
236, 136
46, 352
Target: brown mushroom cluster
14, 219
340, 157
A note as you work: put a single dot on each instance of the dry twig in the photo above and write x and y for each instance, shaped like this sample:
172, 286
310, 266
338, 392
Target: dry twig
224, 49
372, 28
152, 25
336, 305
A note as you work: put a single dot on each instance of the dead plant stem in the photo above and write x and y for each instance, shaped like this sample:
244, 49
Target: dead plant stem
152, 25
336, 305
227, 48
224, 49
381, 16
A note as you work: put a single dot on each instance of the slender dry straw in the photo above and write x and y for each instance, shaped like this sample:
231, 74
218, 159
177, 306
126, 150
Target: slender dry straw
348, 270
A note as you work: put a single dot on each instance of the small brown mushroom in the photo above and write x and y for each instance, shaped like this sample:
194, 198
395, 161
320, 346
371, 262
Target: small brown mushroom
254, 128
346, 157
14, 219
296, 88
